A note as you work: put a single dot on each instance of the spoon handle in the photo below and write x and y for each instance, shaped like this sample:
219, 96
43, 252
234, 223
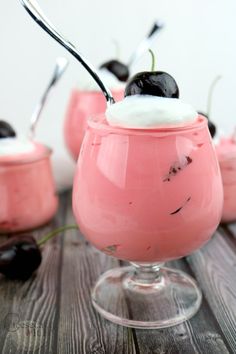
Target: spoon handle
145, 43
60, 68
36, 13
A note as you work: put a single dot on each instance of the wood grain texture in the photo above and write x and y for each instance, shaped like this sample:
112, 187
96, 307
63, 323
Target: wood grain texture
214, 267
29, 316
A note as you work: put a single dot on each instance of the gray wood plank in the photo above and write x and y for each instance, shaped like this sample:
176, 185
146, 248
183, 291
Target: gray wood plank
29, 309
81, 328
230, 229
214, 267
201, 334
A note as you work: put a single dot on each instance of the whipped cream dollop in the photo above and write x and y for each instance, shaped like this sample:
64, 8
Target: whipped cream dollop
107, 77
15, 146
146, 112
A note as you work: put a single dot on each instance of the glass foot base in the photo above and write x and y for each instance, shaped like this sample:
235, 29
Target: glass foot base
165, 299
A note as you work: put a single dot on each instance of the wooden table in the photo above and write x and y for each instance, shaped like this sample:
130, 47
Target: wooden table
52, 312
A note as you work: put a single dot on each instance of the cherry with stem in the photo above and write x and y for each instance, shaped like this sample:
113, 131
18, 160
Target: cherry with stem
153, 83
20, 256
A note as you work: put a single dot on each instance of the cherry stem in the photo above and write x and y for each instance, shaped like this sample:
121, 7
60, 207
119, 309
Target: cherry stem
210, 94
117, 47
54, 233
153, 60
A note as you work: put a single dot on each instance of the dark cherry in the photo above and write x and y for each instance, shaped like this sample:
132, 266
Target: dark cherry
211, 126
20, 256
6, 130
154, 83
120, 70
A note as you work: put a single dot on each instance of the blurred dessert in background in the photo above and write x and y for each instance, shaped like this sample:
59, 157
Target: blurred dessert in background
87, 99
28, 197
226, 152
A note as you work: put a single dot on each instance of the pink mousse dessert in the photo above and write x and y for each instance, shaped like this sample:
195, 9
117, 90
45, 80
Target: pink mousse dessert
148, 187
85, 101
28, 197
226, 152
147, 190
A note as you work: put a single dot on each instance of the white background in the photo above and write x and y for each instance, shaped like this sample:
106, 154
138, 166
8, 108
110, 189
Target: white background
198, 43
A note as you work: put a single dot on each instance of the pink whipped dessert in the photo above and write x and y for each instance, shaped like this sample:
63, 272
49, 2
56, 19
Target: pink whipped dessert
226, 152
148, 185
28, 197
88, 100
83, 104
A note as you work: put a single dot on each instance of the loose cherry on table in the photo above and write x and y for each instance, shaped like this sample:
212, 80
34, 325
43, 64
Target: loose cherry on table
6, 130
20, 256
120, 70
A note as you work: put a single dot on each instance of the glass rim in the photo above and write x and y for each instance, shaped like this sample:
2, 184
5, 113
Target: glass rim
98, 122
24, 160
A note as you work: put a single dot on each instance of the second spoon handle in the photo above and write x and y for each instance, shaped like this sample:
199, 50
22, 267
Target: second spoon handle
145, 43
36, 13
61, 65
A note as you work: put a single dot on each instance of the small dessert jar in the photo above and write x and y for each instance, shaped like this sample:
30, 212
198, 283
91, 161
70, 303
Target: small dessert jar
27, 191
226, 152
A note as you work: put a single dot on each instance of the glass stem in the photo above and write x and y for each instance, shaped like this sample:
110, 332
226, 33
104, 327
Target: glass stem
147, 273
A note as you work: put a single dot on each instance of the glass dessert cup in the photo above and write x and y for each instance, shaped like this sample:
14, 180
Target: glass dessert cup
147, 197
83, 104
226, 153
28, 197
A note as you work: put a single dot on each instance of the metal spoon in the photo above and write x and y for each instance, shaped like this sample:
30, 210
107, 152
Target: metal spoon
144, 45
36, 13
61, 65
